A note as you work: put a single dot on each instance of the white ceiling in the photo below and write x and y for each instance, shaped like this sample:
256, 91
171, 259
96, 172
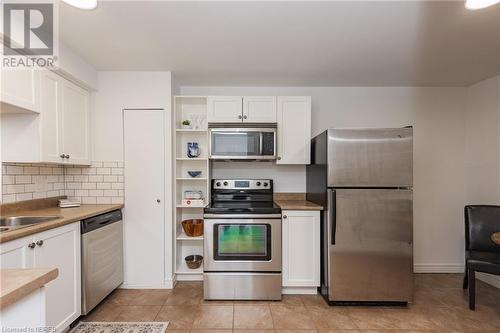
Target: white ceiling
350, 43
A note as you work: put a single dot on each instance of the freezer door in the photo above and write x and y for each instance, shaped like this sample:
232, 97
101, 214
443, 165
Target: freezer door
370, 157
370, 250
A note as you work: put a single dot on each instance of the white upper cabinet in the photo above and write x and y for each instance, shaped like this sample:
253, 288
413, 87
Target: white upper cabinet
238, 109
225, 109
294, 129
75, 124
19, 88
50, 107
259, 109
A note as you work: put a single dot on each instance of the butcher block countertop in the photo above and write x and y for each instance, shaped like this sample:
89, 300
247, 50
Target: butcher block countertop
43, 207
18, 283
294, 201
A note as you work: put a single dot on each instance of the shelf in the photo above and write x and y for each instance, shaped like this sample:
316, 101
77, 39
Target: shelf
182, 236
183, 269
192, 159
190, 178
191, 130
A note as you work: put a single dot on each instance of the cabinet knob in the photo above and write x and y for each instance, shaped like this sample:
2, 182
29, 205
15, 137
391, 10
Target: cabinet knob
158, 200
279, 158
39, 243
284, 216
62, 156
66, 156
31, 245
239, 117
244, 117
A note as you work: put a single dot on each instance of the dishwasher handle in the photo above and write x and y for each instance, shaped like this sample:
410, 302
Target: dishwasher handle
100, 221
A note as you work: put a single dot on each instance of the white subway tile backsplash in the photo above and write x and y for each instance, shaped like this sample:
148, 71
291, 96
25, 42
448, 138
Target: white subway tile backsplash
24, 196
104, 186
89, 200
14, 170
89, 186
117, 171
103, 171
96, 193
14, 189
110, 164
101, 182
97, 178
23, 179
103, 200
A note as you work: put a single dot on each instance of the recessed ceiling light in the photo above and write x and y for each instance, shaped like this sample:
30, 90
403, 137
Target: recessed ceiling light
480, 4
82, 4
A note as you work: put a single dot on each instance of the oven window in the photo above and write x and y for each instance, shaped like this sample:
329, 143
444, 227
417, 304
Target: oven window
235, 143
242, 242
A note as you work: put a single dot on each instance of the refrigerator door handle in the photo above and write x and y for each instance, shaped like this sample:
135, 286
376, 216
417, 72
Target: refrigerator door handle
332, 215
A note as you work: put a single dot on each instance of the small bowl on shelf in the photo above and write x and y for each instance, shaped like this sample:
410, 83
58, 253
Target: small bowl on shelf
194, 261
194, 174
193, 227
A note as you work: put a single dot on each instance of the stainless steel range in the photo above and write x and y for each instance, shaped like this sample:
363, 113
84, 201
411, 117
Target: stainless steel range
242, 248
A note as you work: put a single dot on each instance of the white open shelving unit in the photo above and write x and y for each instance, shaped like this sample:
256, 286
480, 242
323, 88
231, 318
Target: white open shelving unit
184, 109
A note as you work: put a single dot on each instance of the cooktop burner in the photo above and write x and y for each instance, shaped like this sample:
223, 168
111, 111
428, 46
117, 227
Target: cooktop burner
242, 196
243, 207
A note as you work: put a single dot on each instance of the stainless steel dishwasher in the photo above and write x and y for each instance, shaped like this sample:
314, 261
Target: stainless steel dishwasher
102, 257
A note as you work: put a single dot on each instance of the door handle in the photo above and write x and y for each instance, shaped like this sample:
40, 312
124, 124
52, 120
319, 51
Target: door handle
332, 215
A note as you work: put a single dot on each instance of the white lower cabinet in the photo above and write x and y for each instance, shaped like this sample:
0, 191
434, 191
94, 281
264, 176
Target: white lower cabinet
59, 247
301, 250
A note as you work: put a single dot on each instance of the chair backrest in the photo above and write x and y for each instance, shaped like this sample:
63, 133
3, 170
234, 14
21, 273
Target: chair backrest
481, 221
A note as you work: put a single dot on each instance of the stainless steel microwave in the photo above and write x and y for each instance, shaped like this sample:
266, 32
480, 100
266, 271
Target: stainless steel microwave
237, 143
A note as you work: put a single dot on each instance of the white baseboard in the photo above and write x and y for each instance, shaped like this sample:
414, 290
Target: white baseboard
299, 290
167, 284
438, 268
189, 277
450, 268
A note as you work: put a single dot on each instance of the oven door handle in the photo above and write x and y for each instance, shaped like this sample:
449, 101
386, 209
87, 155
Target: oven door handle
242, 216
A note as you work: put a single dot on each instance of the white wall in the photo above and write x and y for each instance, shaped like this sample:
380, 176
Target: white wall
132, 90
438, 117
482, 148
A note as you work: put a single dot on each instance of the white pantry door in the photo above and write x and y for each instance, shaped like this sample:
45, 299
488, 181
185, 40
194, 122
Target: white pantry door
144, 212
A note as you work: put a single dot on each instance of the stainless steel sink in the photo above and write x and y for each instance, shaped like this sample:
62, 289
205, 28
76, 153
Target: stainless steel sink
16, 222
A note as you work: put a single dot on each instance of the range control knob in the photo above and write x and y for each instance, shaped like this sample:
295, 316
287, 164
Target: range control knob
225, 183
258, 184
265, 184
217, 184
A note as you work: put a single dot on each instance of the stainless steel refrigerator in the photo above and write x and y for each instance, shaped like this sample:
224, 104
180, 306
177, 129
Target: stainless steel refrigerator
364, 179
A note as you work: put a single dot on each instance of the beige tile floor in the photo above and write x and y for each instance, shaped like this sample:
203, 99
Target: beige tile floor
440, 305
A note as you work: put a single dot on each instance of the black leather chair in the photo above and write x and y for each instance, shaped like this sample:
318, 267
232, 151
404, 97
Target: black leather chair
482, 248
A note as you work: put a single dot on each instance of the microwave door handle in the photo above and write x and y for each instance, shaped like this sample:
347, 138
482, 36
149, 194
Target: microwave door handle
261, 140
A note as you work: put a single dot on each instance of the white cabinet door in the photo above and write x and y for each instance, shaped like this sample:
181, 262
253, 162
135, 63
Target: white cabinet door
259, 109
20, 88
294, 130
301, 248
51, 117
60, 247
75, 123
225, 109
17, 253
